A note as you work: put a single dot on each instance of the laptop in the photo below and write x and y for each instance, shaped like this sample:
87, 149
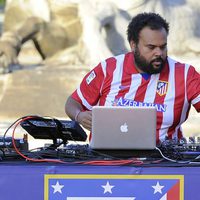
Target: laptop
123, 128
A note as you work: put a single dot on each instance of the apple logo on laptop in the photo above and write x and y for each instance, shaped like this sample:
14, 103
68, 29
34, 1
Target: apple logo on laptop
124, 128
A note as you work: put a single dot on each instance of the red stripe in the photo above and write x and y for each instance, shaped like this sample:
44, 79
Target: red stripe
197, 106
174, 192
179, 98
193, 82
180, 134
76, 97
141, 91
111, 65
164, 76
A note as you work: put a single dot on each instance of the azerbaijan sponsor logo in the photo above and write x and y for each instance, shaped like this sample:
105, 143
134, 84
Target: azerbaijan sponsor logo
128, 102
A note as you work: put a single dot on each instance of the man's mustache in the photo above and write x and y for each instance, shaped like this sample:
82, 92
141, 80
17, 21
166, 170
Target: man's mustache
159, 59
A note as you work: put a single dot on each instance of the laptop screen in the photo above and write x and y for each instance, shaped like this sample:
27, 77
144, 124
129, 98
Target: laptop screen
123, 128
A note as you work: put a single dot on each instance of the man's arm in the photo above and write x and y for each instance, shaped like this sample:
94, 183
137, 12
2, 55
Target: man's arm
76, 112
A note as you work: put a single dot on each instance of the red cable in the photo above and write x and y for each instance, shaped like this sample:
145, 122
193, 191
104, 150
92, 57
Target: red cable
95, 162
22, 155
113, 162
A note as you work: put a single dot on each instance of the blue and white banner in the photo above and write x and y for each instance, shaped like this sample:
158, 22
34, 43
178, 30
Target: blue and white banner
113, 187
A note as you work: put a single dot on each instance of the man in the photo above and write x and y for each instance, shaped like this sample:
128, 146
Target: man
146, 76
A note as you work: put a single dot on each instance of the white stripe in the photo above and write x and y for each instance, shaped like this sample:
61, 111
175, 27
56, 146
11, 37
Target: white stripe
196, 100
168, 115
101, 198
185, 105
85, 103
103, 65
136, 81
116, 82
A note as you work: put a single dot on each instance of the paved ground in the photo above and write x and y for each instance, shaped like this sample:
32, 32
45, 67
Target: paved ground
36, 90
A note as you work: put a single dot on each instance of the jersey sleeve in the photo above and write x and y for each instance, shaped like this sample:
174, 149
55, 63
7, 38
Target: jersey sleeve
193, 88
89, 90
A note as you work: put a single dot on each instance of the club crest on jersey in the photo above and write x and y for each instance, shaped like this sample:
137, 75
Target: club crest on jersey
162, 87
90, 77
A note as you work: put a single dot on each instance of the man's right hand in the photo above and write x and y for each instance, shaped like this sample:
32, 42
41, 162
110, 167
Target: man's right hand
85, 119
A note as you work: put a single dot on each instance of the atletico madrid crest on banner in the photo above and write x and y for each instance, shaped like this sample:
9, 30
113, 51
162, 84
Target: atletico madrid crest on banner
162, 87
113, 187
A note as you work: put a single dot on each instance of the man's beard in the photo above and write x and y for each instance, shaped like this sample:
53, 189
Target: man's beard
146, 66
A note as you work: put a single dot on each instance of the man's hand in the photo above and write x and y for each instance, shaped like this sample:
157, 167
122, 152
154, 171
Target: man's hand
85, 119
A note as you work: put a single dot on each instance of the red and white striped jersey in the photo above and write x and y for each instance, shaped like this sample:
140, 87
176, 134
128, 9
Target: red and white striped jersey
116, 82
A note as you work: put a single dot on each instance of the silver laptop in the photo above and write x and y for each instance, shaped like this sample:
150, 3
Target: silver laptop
123, 128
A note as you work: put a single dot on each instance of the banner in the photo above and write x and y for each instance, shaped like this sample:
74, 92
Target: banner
113, 187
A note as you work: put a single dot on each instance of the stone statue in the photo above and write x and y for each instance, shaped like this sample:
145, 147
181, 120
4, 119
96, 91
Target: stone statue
51, 27
89, 31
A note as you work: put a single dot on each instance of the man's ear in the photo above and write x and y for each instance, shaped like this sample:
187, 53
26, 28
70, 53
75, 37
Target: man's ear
132, 45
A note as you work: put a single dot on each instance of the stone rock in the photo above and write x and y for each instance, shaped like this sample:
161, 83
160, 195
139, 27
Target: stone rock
103, 28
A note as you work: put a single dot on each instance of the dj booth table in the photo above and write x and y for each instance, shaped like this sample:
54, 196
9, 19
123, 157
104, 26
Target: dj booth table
20, 180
